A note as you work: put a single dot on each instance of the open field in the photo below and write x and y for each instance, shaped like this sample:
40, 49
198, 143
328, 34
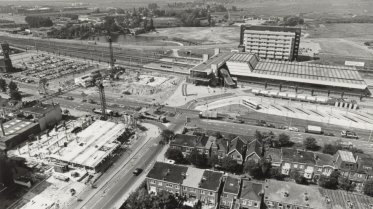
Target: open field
340, 30
215, 35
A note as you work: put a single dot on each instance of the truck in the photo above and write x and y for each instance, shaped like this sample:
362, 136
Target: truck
349, 134
149, 116
208, 114
314, 130
346, 145
108, 112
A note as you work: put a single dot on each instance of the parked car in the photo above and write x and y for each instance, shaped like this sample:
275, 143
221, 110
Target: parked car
269, 125
261, 123
293, 129
137, 171
329, 134
281, 127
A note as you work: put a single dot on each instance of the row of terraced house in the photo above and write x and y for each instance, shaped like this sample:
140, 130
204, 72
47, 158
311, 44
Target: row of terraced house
215, 190
356, 167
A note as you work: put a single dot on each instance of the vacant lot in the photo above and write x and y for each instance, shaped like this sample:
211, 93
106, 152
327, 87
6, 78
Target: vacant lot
340, 30
211, 35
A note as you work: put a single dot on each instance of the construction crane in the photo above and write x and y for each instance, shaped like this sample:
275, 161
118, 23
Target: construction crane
102, 99
111, 52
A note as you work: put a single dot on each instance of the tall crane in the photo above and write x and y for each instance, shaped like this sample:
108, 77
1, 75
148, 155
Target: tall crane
102, 99
111, 52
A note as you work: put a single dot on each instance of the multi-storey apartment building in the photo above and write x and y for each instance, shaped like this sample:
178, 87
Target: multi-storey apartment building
230, 192
190, 183
251, 195
280, 43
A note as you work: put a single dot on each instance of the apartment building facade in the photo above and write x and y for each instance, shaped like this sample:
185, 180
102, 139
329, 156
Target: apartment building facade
230, 193
270, 42
251, 195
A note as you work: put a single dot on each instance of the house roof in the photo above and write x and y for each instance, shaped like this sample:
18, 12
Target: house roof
220, 145
218, 59
364, 163
324, 159
254, 147
237, 144
294, 194
273, 154
192, 176
167, 172
185, 140
210, 141
341, 199
202, 142
232, 185
211, 180
346, 156
298, 156
250, 190
40, 108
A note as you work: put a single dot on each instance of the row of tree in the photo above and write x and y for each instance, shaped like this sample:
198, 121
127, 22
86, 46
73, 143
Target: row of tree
13, 89
38, 21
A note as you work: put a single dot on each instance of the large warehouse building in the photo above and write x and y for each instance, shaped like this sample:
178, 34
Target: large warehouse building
271, 42
229, 67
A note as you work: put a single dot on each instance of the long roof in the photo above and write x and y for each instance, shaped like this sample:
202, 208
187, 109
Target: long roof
298, 156
308, 72
94, 144
346, 156
15, 127
218, 59
167, 172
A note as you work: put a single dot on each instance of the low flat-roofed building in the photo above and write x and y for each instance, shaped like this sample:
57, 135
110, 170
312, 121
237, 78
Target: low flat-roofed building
339, 199
192, 184
184, 142
91, 148
47, 115
280, 194
16, 131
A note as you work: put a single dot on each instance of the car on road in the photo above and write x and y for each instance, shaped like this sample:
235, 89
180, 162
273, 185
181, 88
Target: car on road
270, 125
69, 98
281, 127
293, 129
260, 123
329, 134
137, 171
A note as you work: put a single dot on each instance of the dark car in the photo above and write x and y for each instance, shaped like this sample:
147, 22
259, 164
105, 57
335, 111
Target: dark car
238, 121
137, 171
269, 125
76, 130
261, 123
329, 134
281, 127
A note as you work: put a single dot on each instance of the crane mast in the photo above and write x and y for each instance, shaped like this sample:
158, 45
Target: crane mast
111, 53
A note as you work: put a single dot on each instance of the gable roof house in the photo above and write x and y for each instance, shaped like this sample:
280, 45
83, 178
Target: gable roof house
237, 150
254, 151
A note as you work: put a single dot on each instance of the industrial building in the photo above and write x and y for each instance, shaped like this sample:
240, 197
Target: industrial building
16, 131
90, 148
229, 67
271, 42
5, 62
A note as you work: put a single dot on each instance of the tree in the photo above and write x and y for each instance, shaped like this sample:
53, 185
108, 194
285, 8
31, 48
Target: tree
275, 174
229, 164
209, 19
234, 8
213, 160
331, 149
145, 24
12, 86
151, 26
196, 158
345, 184
258, 135
284, 139
15, 95
299, 179
329, 182
174, 154
166, 135
253, 168
120, 11
310, 143
2, 85
152, 6
368, 187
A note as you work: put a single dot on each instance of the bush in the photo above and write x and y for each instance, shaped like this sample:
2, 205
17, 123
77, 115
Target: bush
310, 143
368, 188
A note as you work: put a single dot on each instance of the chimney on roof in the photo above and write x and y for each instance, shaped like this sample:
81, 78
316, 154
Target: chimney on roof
205, 57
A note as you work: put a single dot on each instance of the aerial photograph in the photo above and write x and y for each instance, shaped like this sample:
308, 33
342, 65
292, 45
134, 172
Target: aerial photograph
186, 104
